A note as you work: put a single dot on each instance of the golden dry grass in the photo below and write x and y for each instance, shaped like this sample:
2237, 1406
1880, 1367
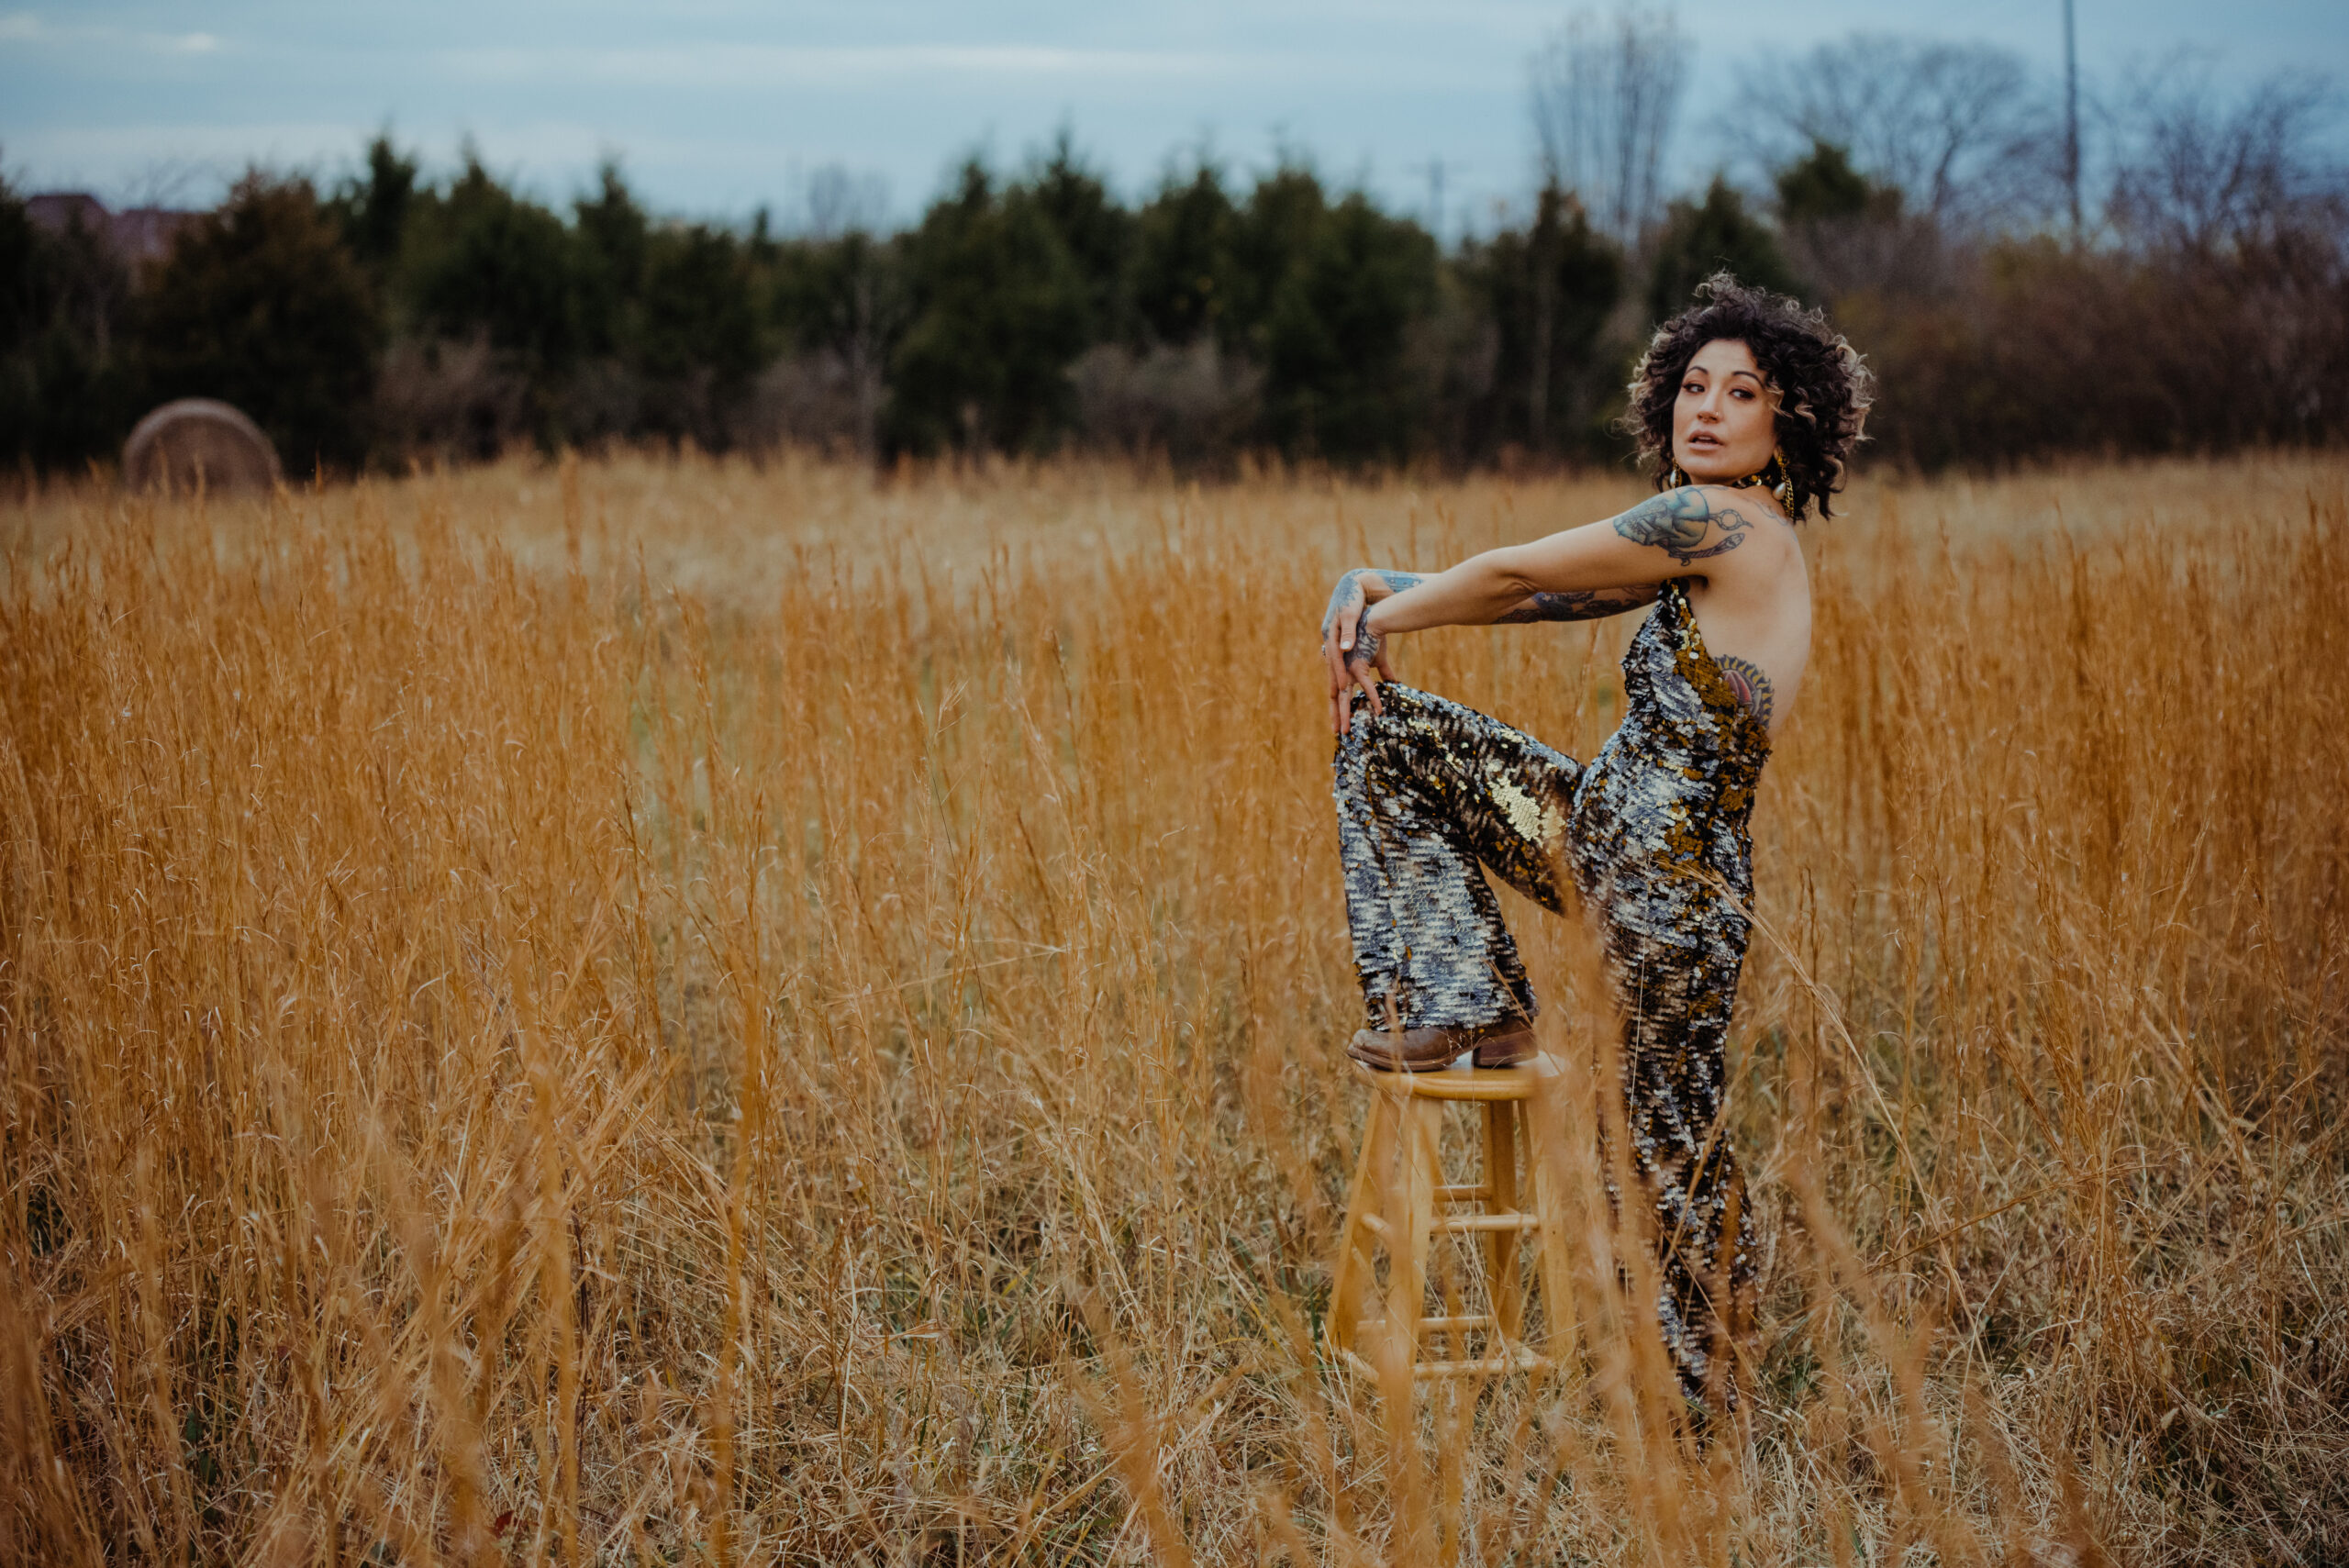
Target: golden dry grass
677, 1012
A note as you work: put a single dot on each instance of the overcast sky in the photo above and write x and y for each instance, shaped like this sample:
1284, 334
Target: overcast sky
718, 107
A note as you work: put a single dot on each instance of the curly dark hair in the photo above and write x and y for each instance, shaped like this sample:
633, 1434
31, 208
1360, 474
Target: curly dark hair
1823, 387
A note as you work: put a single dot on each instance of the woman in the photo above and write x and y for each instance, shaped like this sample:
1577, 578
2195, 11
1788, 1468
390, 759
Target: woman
1747, 406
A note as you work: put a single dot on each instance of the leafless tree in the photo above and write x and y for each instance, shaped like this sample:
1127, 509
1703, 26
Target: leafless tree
1605, 91
1964, 130
2198, 168
837, 200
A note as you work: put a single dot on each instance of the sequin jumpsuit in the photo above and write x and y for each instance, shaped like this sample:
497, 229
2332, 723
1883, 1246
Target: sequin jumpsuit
1654, 831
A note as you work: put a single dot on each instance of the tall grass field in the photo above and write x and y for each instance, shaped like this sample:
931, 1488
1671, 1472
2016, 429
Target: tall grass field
689, 1012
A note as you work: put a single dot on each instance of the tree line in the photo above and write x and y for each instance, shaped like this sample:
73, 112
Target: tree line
1906, 186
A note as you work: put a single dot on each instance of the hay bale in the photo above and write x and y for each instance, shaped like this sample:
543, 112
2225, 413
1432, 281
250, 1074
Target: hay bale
198, 438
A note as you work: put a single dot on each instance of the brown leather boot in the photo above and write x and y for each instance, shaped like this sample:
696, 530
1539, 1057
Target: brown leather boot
1427, 1050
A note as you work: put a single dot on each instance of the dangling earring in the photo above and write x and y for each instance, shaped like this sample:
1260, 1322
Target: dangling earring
1784, 491
1673, 478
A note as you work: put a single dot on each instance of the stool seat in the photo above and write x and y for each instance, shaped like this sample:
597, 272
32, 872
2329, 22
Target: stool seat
1402, 1205
1456, 1082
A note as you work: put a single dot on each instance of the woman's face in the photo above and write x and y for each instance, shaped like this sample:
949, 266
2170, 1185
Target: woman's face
1724, 421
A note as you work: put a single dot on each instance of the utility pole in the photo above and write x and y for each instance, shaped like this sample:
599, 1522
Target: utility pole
2072, 116
1435, 168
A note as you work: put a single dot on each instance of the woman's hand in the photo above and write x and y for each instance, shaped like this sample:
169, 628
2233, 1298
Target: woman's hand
1353, 654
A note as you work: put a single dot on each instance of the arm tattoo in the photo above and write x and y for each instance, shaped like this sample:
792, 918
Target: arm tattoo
1752, 686
1577, 606
1678, 522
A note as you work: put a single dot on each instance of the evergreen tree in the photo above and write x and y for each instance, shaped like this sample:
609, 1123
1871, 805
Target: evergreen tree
1822, 187
613, 245
1098, 233
1702, 237
999, 310
700, 340
68, 388
374, 211
1335, 338
1272, 243
263, 305
496, 265
1183, 257
1548, 291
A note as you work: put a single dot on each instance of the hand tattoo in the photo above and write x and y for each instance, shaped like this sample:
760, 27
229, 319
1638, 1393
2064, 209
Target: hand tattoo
1349, 591
1578, 605
1679, 521
1752, 686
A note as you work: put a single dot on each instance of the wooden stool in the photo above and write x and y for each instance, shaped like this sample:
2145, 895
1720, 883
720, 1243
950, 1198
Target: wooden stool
1400, 1201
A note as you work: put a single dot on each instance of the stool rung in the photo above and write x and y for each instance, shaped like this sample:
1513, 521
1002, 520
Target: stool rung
1458, 1224
1469, 1193
1518, 1358
1434, 1325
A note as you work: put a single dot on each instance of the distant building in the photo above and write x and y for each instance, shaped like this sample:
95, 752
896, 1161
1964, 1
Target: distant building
137, 235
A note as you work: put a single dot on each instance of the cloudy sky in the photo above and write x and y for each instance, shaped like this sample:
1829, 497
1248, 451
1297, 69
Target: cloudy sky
719, 106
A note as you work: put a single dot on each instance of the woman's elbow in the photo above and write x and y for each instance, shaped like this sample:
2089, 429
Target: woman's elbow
1508, 575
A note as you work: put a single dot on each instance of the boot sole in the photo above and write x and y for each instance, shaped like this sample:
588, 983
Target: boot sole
1505, 1051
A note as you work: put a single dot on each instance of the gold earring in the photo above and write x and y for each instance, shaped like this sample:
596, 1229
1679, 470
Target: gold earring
1786, 488
1673, 478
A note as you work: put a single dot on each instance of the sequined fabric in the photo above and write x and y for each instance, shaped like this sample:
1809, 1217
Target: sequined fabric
1654, 833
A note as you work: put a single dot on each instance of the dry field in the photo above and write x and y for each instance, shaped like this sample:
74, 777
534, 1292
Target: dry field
675, 1012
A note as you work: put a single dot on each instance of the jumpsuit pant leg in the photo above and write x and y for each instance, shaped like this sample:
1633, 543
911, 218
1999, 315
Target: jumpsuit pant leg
1427, 793
1677, 1006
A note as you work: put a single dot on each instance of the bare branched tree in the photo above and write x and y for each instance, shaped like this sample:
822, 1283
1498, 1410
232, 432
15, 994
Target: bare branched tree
1606, 91
838, 200
1964, 130
2198, 168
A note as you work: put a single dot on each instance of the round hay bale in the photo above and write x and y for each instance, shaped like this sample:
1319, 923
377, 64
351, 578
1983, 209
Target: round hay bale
198, 438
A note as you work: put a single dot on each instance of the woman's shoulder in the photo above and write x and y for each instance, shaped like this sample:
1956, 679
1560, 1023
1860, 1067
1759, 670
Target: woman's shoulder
1748, 501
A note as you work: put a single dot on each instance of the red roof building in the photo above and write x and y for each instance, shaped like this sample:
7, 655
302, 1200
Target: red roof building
138, 235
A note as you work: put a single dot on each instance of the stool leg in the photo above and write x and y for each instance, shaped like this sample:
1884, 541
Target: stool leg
1506, 1290
1355, 1258
1410, 1218
1543, 1118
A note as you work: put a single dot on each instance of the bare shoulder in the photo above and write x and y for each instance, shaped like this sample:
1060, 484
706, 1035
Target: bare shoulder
1750, 503
1698, 522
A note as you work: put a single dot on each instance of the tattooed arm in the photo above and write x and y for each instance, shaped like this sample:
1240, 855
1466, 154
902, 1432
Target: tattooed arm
1366, 585
1351, 650
1685, 524
1578, 605
1600, 567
